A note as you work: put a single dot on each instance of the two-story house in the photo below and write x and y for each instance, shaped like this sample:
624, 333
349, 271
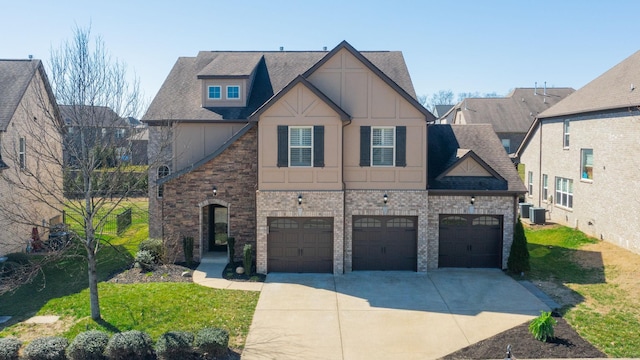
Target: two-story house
30, 153
511, 116
579, 157
320, 159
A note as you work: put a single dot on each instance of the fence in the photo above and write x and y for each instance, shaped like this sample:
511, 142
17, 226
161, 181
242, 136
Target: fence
117, 223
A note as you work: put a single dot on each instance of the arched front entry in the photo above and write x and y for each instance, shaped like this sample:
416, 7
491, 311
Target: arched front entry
214, 226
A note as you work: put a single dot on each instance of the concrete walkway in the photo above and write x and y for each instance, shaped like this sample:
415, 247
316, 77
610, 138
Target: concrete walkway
209, 274
384, 315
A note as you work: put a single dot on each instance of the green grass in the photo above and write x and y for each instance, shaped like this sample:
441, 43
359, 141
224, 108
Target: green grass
607, 316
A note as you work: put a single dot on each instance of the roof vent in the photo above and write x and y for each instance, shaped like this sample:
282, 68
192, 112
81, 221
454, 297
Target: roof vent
31, 58
535, 88
632, 87
324, 48
281, 48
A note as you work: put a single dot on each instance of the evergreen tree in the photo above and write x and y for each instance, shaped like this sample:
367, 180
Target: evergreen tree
519, 257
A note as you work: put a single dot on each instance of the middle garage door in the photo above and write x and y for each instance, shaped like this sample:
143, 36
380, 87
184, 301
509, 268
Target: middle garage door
385, 243
300, 245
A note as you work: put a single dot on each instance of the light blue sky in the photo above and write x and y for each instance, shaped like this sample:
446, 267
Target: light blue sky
465, 46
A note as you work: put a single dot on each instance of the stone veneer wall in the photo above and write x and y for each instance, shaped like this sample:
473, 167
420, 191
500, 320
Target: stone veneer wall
159, 153
400, 203
490, 205
314, 204
234, 173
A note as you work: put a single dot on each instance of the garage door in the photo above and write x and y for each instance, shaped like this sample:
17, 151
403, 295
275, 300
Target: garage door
470, 241
300, 245
384, 243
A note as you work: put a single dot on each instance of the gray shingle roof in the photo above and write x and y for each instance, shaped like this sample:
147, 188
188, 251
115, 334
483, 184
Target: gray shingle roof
513, 113
445, 141
91, 116
180, 96
15, 76
616, 88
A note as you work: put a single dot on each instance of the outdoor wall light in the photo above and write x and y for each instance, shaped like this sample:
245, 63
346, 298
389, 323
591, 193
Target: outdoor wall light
300, 199
473, 199
385, 198
215, 191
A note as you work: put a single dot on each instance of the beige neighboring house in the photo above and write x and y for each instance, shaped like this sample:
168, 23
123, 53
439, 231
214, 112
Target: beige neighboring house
321, 160
30, 153
579, 157
511, 116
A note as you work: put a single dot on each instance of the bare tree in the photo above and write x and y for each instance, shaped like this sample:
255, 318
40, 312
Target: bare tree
442, 97
95, 94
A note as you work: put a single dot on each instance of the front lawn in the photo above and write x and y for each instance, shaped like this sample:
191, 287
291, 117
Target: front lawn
596, 282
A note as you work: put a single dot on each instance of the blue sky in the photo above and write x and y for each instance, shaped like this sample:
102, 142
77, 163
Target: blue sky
464, 46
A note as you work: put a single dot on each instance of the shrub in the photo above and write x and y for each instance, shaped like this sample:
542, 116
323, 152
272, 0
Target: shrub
231, 245
46, 348
18, 257
8, 268
130, 345
542, 327
155, 247
212, 341
175, 345
247, 259
88, 345
9, 348
518, 261
144, 259
187, 247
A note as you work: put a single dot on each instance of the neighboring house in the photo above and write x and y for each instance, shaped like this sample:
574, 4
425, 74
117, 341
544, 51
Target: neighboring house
98, 127
580, 157
319, 160
30, 145
511, 116
440, 110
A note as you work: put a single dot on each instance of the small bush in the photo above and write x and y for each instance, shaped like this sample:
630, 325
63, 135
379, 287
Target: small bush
212, 341
88, 345
130, 345
231, 245
187, 247
518, 261
9, 348
247, 259
18, 257
175, 345
46, 348
542, 327
8, 268
144, 259
155, 247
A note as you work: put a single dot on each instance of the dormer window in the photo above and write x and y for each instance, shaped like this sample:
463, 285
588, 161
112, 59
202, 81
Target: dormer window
233, 92
215, 92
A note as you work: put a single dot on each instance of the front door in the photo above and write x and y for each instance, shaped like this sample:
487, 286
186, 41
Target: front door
218, 220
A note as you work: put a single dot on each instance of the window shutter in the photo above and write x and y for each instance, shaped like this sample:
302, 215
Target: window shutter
365, 145
401, 146
318, 146
283, 146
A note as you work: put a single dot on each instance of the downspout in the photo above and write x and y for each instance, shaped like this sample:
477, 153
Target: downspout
344, 199
540, 165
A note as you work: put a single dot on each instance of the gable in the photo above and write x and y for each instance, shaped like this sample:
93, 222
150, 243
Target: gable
468, 167
299, 102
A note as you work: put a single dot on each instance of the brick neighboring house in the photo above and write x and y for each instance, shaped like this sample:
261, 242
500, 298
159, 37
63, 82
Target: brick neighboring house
579, 157
30, 144
511, 116
319, 160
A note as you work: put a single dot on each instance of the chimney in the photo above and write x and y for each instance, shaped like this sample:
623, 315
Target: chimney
535, 88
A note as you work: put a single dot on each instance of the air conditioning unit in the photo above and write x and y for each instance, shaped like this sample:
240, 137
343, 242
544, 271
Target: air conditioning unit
537, 215
524, 210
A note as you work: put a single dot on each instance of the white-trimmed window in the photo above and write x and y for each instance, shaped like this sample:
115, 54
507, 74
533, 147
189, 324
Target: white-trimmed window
233, 92
506, 143
214, 92
545, 187
564, 192
586, 164
565, 138
530, 183
22, 153
383, 145
120, 133
163, 171
300, 145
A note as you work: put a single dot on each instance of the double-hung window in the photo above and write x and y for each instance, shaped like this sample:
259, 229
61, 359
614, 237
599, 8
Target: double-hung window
564, 192
22, 153
586, 164
383, 143
233, 92
300, 145
545, 187
215, 92
530, 183
565, 132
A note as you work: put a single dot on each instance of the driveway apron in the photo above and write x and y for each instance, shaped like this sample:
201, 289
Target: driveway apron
384, 315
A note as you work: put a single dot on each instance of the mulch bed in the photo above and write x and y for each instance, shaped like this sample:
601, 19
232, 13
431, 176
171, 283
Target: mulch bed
566, 344
230, 273
162, 273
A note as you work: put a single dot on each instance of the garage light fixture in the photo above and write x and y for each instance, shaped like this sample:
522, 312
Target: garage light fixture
385, 198
215, 191
299, 199
473, 199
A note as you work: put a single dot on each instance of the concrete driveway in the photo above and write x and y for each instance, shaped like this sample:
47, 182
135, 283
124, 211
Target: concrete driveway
384, 315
